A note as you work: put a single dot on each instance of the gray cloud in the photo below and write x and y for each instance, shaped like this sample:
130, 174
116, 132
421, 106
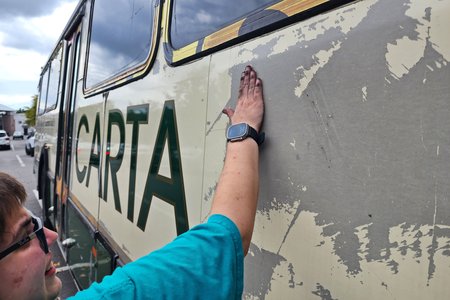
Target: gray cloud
26, 8
14, 35
17, 37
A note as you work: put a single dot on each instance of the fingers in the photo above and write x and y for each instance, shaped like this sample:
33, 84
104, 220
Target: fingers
251, 84
250, 103
246, 80
258, 87
241, 85
247, 84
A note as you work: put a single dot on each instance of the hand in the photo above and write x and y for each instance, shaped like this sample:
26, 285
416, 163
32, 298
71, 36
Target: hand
250, 104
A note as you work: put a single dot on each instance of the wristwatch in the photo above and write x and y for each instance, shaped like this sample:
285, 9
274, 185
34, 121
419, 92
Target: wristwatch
241, 131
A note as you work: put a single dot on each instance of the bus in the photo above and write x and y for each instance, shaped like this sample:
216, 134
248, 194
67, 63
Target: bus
354, 193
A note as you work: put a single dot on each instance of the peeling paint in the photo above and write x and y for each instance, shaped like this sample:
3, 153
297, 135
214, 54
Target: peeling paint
343, 21
308, 264
262, 262
354, 198
322, 292
293, 144
246, 55
404, 53
319, 60
364, 93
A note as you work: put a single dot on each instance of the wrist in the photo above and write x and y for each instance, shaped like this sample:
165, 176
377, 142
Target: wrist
241, 131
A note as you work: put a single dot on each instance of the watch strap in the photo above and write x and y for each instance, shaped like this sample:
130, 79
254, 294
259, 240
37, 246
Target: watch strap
258, 137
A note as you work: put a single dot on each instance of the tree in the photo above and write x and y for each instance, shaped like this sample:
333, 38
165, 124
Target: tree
30, 113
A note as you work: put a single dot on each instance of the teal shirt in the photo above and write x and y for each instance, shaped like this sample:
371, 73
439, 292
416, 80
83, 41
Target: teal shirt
205, 262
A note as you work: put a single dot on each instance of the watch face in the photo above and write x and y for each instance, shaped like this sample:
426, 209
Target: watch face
237, 131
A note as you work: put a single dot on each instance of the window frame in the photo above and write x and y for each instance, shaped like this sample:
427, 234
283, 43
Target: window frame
228, 35
128, 75
49, 68
45, 73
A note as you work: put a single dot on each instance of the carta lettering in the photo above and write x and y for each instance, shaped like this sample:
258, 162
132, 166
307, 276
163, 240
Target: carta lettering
170, 190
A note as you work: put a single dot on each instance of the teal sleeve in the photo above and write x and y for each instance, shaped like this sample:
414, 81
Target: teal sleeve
205, 262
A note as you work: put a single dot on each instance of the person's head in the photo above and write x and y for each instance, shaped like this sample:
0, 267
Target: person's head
26, 269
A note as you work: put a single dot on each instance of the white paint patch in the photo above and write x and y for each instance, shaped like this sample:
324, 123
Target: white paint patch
438, 25
404, 53
271, 226
364, 93
320, 59
246, 55
403, 275
293, 144
343, 19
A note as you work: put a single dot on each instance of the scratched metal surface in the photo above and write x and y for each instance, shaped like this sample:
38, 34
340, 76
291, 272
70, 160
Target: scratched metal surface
354, 196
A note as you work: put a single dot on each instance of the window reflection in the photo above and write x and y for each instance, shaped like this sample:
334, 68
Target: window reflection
195, 19
53, 85
43, 95
120, 38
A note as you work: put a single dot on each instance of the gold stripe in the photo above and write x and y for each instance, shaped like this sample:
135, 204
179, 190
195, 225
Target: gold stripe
58, 186
292, 7
226, 34
165, 21
184, 52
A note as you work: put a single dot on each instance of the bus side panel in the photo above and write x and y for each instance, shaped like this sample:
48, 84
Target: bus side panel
85, 179
355, 167
168, 153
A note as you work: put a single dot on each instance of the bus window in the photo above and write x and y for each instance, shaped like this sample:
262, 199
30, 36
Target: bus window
120, 41
53, 84
43, 94
192, 21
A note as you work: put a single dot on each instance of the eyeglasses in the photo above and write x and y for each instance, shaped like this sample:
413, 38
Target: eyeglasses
38, 232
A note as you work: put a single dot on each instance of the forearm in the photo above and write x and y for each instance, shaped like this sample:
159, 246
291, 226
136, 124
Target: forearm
237, 192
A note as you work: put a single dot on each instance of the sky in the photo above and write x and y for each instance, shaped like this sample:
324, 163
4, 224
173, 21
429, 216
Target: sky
29, 30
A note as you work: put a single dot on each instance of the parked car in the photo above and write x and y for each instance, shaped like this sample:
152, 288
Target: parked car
4, 140
29, 144
18, 135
